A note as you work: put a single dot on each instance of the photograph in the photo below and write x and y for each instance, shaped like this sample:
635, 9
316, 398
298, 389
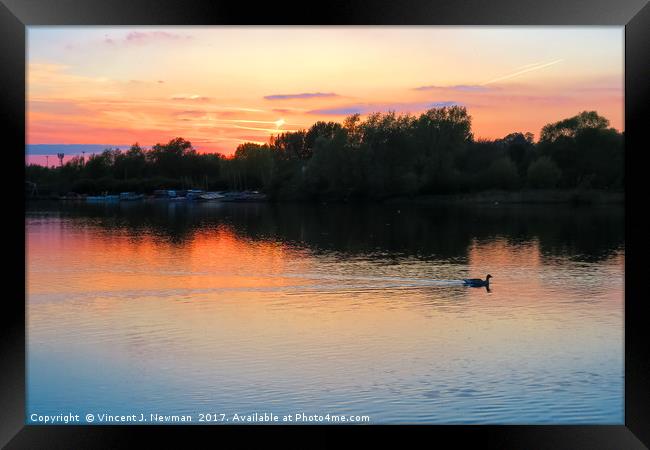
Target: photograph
324, 225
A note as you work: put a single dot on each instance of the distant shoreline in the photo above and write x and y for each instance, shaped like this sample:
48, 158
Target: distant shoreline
528, 197
523, 197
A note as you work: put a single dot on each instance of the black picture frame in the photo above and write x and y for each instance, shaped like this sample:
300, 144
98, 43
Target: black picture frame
15, 15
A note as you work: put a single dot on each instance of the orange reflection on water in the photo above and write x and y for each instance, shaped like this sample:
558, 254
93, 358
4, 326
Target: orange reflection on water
217, 281
217, 317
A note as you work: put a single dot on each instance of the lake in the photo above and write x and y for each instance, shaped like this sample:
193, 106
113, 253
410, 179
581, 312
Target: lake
223, 308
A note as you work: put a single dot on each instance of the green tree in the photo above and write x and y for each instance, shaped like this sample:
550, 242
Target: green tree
168, 158
571, 127
291, 146
387, 151
543, 173
383, 155
441, 133
587, 151
330, 172
520, 148
99, 166
254, 165
501, 174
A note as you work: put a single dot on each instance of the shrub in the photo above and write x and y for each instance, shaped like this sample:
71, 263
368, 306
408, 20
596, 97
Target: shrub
543, 173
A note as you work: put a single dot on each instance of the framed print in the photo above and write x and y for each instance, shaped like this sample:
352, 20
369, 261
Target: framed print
421, 217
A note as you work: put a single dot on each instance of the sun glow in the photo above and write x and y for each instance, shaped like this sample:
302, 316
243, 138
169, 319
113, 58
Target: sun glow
150, 91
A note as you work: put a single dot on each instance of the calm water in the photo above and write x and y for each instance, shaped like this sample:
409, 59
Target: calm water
226, 308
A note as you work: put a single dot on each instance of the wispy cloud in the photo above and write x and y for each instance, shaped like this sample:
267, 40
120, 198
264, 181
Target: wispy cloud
142, 37
366, 108
190, 97
300, 96
139, 35
56, 107
264, 130
189, 114
289, 111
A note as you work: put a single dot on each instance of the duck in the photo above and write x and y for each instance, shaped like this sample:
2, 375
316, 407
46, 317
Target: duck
477, 282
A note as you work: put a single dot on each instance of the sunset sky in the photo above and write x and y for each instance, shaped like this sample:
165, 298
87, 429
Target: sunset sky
221, 86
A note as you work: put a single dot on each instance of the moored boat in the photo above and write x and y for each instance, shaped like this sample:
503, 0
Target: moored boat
130, 196
102, 198
194, 194
245, 196
210, 196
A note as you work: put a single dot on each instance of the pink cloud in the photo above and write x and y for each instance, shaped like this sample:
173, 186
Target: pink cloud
191, 98
143, 37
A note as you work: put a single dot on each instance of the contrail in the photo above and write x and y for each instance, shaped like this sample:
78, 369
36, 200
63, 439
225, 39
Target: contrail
521, 72
528, 65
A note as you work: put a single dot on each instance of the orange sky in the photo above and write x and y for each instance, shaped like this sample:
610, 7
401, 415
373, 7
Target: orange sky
221, 86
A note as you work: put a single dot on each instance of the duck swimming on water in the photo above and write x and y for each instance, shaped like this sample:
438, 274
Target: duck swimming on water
477, 282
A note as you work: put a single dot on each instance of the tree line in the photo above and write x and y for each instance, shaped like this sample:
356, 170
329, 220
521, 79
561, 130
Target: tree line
381, 156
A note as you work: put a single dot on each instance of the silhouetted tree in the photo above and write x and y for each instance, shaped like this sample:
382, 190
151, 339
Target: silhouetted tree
587, 151
383, 155
543, 173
